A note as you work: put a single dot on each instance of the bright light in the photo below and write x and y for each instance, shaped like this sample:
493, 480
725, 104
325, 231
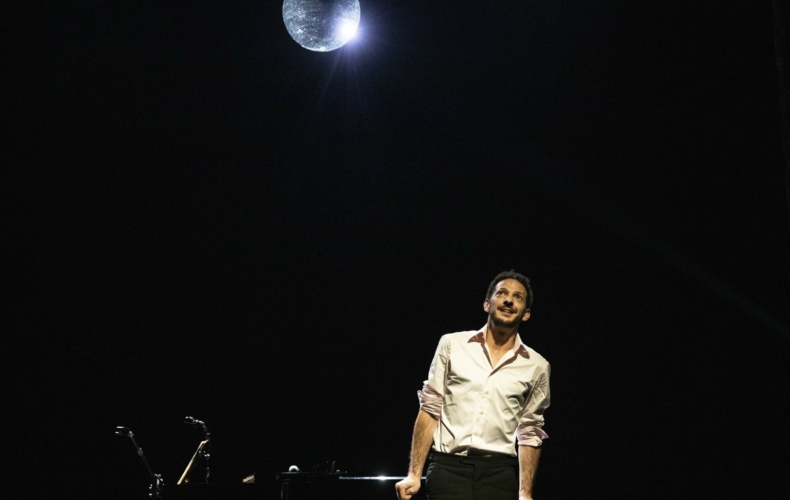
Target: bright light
381, 478
348, 29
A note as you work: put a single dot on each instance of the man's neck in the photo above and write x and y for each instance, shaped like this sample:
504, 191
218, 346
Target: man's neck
500, 338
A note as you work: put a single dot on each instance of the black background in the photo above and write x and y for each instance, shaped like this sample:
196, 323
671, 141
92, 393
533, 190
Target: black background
209, 220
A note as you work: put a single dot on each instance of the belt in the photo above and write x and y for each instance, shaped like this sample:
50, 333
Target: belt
481, 456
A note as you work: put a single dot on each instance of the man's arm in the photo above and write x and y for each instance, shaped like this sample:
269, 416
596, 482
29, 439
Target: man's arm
530, 435
528, 463
421, 441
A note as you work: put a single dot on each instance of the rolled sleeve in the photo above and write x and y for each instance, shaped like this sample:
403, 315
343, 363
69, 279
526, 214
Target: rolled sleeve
530, 427
432, 394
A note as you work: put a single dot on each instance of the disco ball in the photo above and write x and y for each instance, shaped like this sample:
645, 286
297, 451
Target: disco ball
321, 25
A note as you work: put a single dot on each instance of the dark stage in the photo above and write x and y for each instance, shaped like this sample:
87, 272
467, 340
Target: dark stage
206, 219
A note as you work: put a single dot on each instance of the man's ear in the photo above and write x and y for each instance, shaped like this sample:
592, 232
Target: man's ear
525, 317
486, 305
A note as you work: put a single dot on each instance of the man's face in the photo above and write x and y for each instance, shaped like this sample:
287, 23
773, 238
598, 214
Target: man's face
507, 306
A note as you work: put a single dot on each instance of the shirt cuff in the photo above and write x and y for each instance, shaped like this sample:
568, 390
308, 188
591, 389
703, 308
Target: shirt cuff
431, 402
531, 436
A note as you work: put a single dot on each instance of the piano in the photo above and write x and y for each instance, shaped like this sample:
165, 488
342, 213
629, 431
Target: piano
293, 486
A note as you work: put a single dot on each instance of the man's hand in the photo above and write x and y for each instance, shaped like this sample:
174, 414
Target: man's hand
408, 487
424, 428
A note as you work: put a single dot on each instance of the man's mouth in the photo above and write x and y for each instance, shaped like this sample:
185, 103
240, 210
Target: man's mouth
509, 311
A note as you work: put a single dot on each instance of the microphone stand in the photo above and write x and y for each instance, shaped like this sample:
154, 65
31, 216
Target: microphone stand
156, 479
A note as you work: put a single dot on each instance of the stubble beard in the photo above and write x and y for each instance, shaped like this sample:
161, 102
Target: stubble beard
504, 324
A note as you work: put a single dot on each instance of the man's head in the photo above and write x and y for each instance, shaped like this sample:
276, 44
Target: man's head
509, 299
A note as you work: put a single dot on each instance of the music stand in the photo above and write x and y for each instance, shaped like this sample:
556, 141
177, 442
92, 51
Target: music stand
198, 453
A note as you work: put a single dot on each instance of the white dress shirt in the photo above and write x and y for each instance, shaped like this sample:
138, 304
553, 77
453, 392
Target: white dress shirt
485, 408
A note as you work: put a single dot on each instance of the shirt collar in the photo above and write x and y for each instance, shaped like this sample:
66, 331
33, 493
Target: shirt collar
519, 347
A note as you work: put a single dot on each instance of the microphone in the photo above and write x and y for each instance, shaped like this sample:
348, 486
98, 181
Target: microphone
123, 431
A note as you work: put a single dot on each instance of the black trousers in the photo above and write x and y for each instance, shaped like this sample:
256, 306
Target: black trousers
456, 477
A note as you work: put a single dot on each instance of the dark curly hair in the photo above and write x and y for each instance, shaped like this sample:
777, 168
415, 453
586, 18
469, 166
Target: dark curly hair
511, 275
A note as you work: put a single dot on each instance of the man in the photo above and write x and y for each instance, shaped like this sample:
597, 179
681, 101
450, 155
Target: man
486, 392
